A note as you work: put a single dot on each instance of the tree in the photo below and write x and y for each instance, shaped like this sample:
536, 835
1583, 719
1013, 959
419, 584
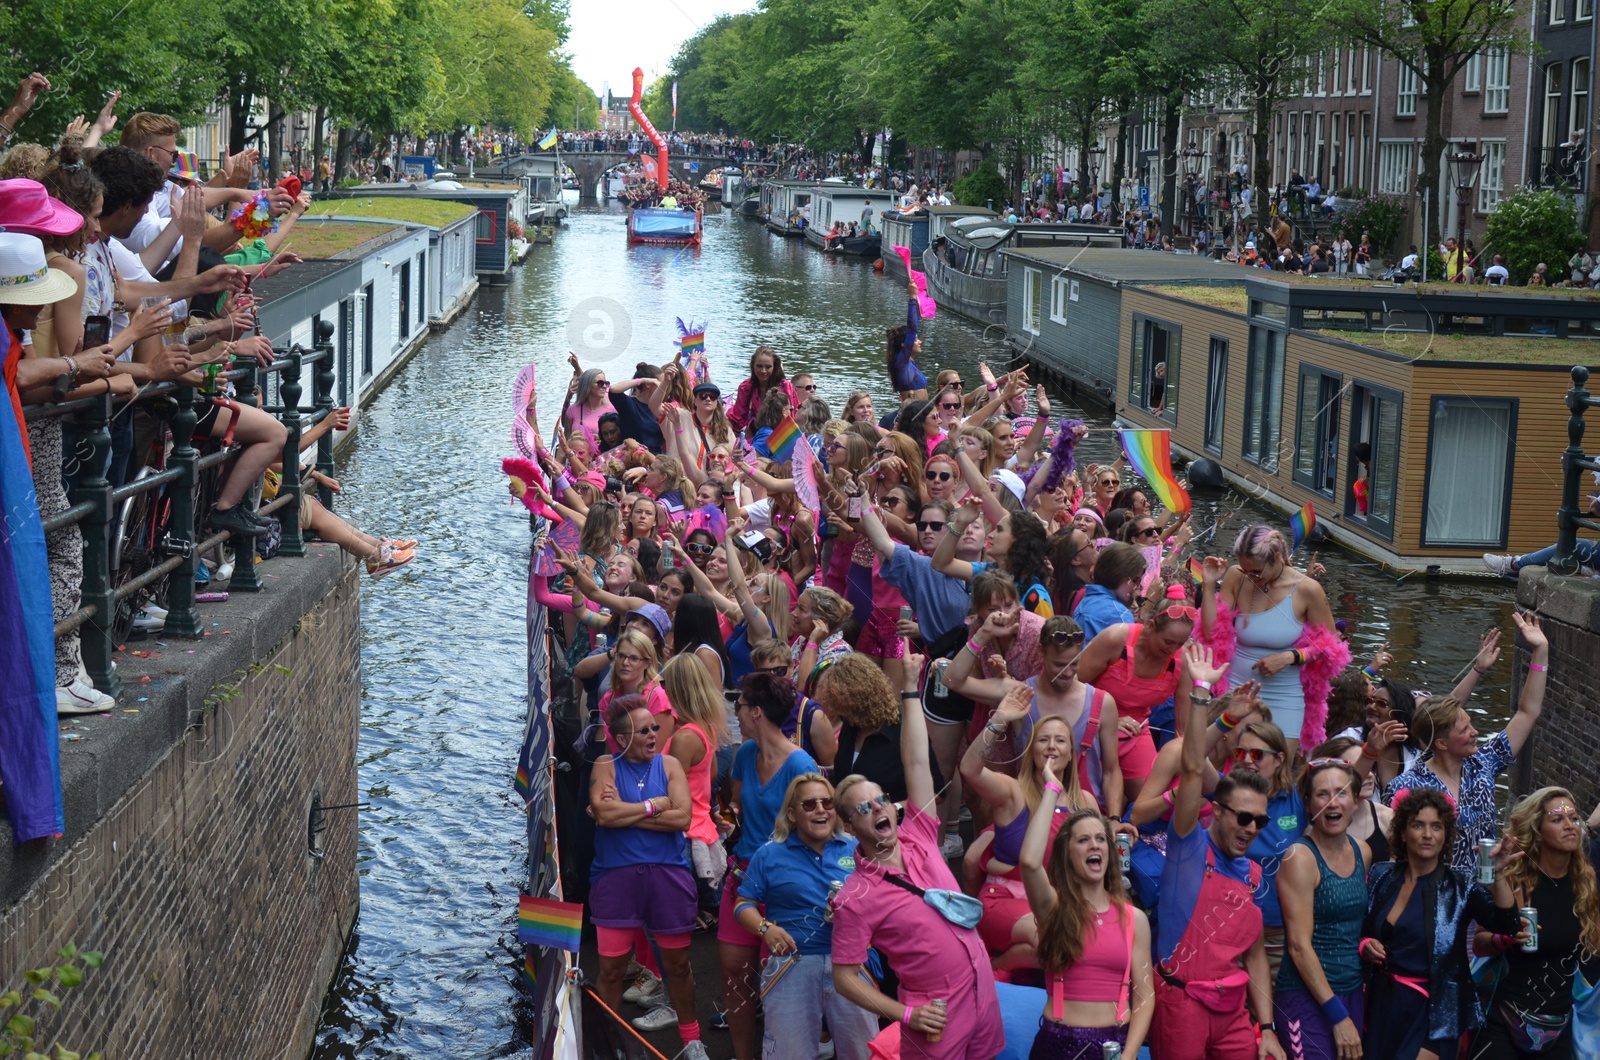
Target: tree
1434, 39
1532, 227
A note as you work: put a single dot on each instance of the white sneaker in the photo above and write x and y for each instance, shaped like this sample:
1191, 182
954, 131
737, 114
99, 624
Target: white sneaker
145, 622
657, 1019
825, 1050
951, 847
1501, 565
646, 990
80, 697
156, 612
695, 1050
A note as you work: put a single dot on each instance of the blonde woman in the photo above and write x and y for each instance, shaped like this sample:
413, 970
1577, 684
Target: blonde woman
819, 618
636, 670
702, 728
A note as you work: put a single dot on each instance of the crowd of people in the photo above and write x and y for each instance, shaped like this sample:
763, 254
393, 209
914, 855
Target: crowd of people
929, 723
121, 269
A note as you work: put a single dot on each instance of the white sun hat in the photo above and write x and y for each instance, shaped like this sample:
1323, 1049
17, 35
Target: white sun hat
25, 277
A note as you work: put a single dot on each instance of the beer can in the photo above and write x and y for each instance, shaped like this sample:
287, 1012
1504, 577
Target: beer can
906, 614
833, 893
1124, 857
1111, 1051
938, 1003
1486, 861
602, 641
936, 683
1530, 916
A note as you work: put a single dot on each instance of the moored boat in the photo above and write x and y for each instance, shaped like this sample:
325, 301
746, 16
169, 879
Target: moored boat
672, 226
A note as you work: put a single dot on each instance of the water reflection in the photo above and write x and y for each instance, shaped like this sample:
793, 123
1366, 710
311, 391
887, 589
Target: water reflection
432, 969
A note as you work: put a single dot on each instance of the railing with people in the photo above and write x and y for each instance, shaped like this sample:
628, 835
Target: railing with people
96, 500
1574, 462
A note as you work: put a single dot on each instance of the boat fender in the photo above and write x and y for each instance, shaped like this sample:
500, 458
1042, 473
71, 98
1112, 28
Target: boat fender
1205, 473
877, 266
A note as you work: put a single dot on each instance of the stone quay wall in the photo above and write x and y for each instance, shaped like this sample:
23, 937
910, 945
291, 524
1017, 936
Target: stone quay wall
1565, 749
187, 857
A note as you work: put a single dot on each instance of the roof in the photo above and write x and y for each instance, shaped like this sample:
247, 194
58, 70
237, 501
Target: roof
1138, 267
327, 239
297, 277
423, 210
959, 211
417, 191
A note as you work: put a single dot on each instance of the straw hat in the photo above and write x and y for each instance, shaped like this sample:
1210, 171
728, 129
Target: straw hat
25, 278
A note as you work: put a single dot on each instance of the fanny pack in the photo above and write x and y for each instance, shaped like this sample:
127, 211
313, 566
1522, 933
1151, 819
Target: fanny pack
1532, 1032
962, 910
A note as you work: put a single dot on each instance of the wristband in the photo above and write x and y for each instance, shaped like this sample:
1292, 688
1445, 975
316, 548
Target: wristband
563, 483
1052, 786
1538, 669
1503, 942
1370, 672
1166, 797
1479, 672
650, 807
906, 1019
1368, 754
1334, 1012
1361, 947
1205, 686
975, 648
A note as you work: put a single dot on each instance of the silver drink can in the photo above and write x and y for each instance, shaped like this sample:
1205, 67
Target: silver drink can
1530, 917
1125, 856
1111, 1051
1486, 861
936, 683
940, 1004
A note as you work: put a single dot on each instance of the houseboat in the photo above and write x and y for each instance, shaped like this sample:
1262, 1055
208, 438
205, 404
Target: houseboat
966, 269
903, 230
671, 226
836, 202
495, 206
784, 203
1404, 415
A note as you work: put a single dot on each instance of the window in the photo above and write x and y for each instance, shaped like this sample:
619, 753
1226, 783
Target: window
1058, 299
1032, 298
1585, 11
403, 299
1578, 113
1492, 176
486, 219
1352, 60
1318, 157
422, 287
1366, 70
1294, 141
1263, 397
1337, 74
1468, 494
1472, 74
1322, 73
1316, 446
1405, 98
1552, 109
1216, 392
1394, 168
366, 331
1556, 11
344, 336
1374, 456
1154, 385
1497, 81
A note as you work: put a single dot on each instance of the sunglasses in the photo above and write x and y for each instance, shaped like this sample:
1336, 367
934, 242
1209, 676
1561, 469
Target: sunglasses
865, 806
883, 451
892, 502
775, 671
1110, 482
1062, 639
1180, 611
810, 388
1260, 820
1149, 531
812, 805
1254, 755
708, 397
949, 406
699, 549
938, 476
924, 525
605, 383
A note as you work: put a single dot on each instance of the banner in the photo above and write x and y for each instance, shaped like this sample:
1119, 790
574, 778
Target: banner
674, 101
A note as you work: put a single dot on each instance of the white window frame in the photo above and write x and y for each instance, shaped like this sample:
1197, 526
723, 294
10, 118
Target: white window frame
1336, 77
1059, 285
1584, 12
1031, 296
1405, 94
1491, 175
1497, 80
1554, 91
1394, 167
1322, 73
1352, 73
1556, 12
1366, 69
1578, 117
1472, 74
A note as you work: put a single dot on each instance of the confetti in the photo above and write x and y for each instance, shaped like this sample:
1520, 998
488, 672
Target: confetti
130, 710
144, 699
72, 736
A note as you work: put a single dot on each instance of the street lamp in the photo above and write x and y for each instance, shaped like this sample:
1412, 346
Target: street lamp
1464, 161
1191, 170
1096, 153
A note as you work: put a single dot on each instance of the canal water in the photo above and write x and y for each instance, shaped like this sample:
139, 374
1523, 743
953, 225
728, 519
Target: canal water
432, 967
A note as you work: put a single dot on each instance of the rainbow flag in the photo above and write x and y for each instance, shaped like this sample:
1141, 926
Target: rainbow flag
1150, 454
782, 440
1302, 523
695, 343
1197, 570
547, 922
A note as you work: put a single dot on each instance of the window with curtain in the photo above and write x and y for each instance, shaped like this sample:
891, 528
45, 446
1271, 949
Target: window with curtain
1497, 81
1263, 397
1317, 429
1216, 392
1374, 455
1469, 471
1578, 113
1405, 97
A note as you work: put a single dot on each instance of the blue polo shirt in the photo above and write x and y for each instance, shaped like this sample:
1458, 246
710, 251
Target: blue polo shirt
792, 880
1287, 823
940, 601
759, 803
1099, 609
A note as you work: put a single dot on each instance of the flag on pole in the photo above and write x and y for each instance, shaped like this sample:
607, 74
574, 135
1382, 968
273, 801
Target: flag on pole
1197, 570
782, 439
1302, 523
549, 140
1150, 454
547, 922
674, 101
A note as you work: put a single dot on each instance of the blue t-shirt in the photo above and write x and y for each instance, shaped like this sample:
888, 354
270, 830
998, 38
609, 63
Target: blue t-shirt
792, 880
759, 803
1099, 609
1181, 876
1287, 823
940, 601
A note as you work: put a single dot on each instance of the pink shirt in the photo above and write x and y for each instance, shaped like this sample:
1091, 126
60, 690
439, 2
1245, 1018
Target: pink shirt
656, 697
1023, 660
588, 419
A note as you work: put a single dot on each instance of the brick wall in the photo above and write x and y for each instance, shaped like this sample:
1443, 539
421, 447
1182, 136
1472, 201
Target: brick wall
1566, 742
220, 931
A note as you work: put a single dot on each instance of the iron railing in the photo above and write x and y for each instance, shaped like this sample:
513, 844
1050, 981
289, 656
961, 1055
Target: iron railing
1570, 518
96, 499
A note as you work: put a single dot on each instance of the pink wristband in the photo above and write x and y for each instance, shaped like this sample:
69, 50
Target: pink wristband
906, 1019
1057, 788
1536, 668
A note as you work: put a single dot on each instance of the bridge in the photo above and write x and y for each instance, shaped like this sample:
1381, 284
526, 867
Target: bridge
589, 165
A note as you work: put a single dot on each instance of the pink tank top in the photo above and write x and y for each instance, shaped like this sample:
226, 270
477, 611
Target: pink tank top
1137, 696
1102, 972
701, 826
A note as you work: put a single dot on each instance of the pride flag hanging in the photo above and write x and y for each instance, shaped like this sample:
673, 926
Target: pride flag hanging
1302, 523
547, 922
1197, 570
1150, 454
782, 440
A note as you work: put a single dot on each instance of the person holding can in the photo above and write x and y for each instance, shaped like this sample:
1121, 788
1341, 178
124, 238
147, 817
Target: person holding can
1421, 998
903, 901
1532, 1005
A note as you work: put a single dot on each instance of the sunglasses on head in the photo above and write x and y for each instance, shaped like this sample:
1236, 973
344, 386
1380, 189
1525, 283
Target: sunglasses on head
924, 525
815, 803
865, 806
1260, 820
1062, 639
1253, 755
938, 476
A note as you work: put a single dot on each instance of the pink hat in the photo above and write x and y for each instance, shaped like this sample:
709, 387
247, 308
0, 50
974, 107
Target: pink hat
593, 478
26, 207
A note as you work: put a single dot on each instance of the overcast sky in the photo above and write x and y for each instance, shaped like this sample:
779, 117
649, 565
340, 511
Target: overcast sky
610, 37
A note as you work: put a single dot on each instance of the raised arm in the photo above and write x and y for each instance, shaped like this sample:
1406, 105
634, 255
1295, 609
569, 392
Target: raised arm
914, 737
1186, 804
980, 487
993, 787
872, 526
1035, 848
944, 554
1488, 655
1531, 705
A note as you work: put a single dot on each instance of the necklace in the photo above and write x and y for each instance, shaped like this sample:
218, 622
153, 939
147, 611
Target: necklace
1100, 914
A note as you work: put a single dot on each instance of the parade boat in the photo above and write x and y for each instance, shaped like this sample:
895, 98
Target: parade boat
660, 210
661, 224
785, 205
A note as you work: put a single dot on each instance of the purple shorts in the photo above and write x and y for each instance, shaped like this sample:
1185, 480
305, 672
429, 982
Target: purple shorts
1057, 1041
661, 898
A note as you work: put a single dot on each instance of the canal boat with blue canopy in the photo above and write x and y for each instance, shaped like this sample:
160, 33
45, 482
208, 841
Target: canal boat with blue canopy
660, 224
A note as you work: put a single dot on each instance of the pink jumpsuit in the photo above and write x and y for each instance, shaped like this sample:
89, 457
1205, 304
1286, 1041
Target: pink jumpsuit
1136, 697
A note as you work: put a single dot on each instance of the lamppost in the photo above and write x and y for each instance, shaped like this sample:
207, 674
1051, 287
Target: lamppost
1191, 171
1464, 161
1096, 153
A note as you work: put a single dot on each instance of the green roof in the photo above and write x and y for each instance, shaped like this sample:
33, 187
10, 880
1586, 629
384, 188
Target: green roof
434, 212
326, 239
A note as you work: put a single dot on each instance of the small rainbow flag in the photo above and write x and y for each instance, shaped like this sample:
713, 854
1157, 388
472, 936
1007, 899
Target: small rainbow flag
695, 343
547, 922
783, 438
1150, 454
1302, 523
1197, 570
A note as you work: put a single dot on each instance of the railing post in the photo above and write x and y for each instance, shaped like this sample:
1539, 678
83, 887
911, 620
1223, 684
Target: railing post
245, 577
322, 401
94, 636
1564, 561
289, 390
182, 619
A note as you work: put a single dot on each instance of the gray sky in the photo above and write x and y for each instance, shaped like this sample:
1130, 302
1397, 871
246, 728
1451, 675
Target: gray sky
610, 37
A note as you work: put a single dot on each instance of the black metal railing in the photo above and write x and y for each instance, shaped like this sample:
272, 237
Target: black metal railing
96, 499
1570, 518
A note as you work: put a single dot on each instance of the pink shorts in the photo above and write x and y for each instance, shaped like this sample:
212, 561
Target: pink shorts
880, 637
729, 929
1136, 754
619, 942
1001, 911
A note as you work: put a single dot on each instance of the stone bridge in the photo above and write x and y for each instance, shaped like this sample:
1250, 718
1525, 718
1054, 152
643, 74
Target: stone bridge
589, 165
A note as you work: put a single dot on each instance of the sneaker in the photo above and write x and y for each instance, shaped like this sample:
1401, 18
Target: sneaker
156, 612
719, 1019
144, 621
80, 697
401, 542
965, 817
389, 560
1505, 566
657, 1019
695, 1050
951, 847
237, 521
825, 1050
646, 989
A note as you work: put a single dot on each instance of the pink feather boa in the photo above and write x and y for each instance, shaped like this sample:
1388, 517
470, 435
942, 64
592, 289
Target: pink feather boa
1326, 657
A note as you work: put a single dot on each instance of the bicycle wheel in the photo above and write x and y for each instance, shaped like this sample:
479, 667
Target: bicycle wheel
138, 549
